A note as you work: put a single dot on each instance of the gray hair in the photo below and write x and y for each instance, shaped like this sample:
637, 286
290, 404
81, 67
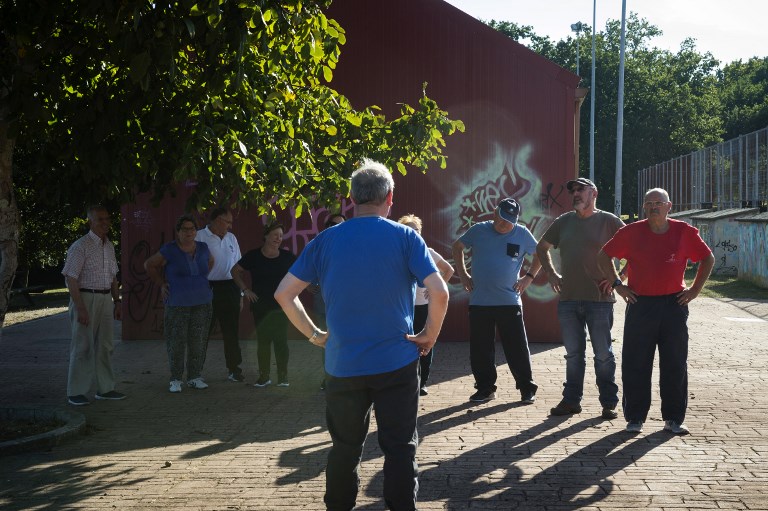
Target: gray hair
659, 190
371, 183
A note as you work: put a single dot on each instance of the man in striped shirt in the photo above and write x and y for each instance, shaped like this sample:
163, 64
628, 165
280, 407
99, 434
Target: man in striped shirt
90, 272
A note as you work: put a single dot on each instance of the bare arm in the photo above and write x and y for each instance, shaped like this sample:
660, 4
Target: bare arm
154, 266
115, 289
702, 274
438, 305
605, 263
461, 269
545, 258
445, 269
237, 276
523, 282
287, 295
74, 292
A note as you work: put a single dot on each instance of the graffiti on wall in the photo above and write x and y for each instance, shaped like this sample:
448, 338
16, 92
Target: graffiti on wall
505, 174
752, 263
300, 231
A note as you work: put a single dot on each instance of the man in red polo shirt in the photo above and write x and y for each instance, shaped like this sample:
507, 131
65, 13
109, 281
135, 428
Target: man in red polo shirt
657, 250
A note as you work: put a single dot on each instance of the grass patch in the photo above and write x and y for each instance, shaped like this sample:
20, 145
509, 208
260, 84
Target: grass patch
45, 300
722, 286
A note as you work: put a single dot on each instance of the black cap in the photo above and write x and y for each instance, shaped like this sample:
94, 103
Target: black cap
509, 210
580, 181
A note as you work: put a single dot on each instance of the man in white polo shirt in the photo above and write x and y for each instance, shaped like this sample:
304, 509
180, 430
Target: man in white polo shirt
227, 298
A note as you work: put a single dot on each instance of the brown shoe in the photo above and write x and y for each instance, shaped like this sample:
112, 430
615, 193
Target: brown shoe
609, 413
565, 408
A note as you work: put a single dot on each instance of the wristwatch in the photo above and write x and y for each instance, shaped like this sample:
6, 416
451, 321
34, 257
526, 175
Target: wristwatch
315, 335
616, 283
242, 292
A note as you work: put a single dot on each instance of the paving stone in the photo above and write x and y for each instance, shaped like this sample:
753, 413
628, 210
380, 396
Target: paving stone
233, 446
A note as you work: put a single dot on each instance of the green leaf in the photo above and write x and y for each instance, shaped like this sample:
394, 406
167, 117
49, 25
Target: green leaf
354, 119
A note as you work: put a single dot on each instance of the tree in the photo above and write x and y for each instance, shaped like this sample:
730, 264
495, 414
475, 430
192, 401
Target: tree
115, 97
744, 92
671, 100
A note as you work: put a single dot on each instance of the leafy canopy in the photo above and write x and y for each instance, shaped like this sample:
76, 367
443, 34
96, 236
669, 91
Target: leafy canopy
113, 97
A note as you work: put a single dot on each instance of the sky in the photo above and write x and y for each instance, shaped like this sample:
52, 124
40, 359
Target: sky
730, 30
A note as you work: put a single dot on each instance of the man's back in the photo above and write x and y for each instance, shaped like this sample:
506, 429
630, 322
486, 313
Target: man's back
367, 269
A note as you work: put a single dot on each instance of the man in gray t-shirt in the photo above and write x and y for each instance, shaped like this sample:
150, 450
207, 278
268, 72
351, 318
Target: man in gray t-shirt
586, 299
498, 251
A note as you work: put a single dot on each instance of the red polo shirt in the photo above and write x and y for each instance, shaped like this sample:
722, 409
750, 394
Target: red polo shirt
657, 261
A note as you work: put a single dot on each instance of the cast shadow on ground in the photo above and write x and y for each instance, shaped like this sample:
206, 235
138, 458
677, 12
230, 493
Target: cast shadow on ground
76, 485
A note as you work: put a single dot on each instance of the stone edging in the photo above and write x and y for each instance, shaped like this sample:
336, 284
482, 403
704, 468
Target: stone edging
74, 423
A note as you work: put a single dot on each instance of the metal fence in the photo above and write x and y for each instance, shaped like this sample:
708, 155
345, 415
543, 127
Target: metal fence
732, 174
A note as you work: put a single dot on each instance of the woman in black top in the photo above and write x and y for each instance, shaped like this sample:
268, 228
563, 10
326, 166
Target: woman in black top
267, 265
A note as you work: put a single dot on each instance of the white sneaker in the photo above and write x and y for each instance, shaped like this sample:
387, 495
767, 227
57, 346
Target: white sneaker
635, 427
676, 428
197, 383
175, 386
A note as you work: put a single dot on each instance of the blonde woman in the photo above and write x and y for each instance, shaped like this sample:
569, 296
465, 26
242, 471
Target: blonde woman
420, 308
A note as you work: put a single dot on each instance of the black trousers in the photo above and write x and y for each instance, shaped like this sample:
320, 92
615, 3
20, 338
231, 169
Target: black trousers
655, 322
271, 329
419, 320
395, 398
226, 311
483, 323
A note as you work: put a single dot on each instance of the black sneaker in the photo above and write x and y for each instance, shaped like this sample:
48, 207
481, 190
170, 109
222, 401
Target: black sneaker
423, 391
528, 397
80, 400
112, 395
481, 396
322, 384
236, 376
609, 413
565, 408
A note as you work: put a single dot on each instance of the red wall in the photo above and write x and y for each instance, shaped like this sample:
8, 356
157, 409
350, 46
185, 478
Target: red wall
518, 109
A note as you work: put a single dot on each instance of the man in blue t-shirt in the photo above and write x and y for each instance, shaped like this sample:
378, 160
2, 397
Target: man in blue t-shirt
368, 268
498, 252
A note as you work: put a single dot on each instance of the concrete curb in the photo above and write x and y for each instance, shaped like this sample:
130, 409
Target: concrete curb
74, 423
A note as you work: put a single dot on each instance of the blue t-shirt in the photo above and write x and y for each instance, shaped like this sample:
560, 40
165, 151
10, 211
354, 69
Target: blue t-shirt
496, 261
187, 276
368, 269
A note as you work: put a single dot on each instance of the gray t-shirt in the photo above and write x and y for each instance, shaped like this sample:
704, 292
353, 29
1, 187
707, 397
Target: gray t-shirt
496, 261
579, 240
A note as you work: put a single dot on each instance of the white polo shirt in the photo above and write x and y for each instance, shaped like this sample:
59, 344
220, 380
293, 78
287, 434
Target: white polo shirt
225, 251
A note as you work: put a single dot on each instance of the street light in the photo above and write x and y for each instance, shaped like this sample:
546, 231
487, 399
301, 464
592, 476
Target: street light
577, 27
592, 87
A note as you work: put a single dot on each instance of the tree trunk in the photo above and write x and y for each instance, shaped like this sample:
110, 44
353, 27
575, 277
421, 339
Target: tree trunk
9, 222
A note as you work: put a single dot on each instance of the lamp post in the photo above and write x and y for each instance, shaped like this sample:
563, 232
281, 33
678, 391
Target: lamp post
592, 100
577, 27
620, 113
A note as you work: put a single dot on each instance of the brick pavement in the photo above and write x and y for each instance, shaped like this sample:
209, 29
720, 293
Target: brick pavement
234, 446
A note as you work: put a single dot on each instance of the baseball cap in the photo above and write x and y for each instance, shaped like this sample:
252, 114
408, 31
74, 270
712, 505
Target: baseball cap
580, 181
509, 210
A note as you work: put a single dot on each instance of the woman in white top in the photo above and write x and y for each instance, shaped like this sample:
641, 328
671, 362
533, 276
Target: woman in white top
420, 309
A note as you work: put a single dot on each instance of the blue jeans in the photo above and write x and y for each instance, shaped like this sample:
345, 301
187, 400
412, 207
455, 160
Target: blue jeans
575, 318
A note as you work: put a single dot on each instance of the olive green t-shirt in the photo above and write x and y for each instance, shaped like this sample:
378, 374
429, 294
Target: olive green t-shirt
579, 240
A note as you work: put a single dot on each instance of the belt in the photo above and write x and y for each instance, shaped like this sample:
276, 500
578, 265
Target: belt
97, 291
